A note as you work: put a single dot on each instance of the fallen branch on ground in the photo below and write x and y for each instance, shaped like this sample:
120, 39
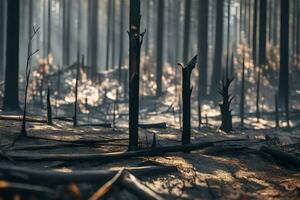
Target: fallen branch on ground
281, 155
20, 118
105, 125
109, 157
162, 125
48, 177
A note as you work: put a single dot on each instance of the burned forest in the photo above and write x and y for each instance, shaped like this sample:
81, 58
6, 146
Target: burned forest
149, 99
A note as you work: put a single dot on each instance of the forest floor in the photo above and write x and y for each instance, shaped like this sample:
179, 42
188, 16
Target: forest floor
210, 173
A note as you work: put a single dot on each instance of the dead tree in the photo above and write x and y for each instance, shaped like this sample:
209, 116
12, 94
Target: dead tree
242, 102
49, 109
135, 43
257, 95
27, 70
226, 125
276, 112
76, 93
186, 100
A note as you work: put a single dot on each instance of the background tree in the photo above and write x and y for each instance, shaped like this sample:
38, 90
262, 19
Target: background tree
284, 53
160, 46
217, 62
11, 96
187, 21
135, 42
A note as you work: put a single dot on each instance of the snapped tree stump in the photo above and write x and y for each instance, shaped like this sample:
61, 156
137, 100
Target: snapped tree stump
226, 116
186, 100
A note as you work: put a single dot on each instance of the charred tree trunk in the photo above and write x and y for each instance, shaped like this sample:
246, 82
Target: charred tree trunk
284, 54
217, 65
226, 125
121, 45
258, 95
262, 31
187, 22
49, 109
242, 102
276, 112
186, 100
135, 42
254, 45
75, 120
203, 8
11, 96
113, 33
160, 47
66, 32
109, 9
2, 29
94, 38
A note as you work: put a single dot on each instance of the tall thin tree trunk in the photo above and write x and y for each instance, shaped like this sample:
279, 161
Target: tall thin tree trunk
94, 38
66, 32
254, 39
187, 22
11, 97
2, 29
217, 65
113, 33
134, 72
160, 47
284, 53
109, 9
262, 31
122, 32
203, 8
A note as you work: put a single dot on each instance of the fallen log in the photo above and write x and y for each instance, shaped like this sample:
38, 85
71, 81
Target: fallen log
20, 118
132, 184
281, 155
59, 145
105, 125
162, 125
7, 186
66, 119
49, 177
108, 157
80, 141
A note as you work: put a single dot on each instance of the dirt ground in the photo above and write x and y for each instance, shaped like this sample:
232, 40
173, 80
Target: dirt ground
211, 173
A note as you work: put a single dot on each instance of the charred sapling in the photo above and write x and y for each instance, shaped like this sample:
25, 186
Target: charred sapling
28, 69
186, 100
242, 101
49, 109
226, 125
76, 93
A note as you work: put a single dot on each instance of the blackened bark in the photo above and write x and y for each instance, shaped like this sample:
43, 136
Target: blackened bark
135, 42
203, 8
160, 47
49, 30
254, 44
186, 100
262, 31
2, 29
226, 125
75, 121
109, 9
284, 53
187, 21
258, 95
11, 97
49, 109
94, 38
121, 45
217, 65
66, 31
242, 102
276, 112
113, 33
148, 3
202, 45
